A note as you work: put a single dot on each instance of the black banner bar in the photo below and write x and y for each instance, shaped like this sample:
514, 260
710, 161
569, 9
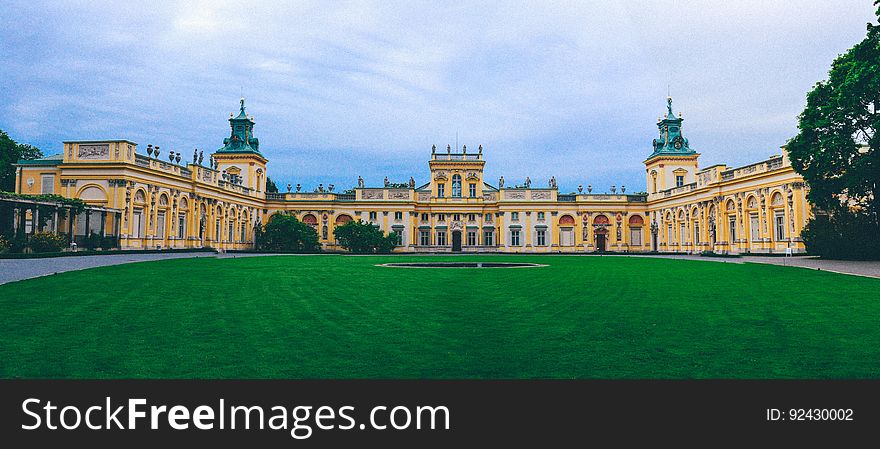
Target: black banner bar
327, 413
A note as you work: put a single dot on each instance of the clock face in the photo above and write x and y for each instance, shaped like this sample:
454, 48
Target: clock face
677, 142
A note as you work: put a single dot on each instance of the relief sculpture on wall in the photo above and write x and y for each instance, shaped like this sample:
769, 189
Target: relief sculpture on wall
94, 151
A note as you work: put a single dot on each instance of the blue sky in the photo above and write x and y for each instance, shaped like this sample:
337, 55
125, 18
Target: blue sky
339, 89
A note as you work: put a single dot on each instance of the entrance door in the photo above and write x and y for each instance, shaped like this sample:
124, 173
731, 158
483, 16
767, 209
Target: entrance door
456, 241
600, 242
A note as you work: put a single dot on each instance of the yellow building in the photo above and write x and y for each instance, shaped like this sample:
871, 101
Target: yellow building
151, 203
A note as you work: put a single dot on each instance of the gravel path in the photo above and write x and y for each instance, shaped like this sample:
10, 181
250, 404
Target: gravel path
18, 269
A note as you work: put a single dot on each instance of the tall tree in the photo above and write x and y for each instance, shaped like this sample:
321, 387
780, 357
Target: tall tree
837, 151
10, 153
270, 186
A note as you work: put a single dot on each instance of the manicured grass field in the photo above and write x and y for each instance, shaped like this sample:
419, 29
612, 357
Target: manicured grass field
343, 317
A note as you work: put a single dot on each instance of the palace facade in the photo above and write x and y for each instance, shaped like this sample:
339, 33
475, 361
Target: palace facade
147, 202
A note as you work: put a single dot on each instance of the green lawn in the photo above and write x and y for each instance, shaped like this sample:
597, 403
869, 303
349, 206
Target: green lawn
343, 317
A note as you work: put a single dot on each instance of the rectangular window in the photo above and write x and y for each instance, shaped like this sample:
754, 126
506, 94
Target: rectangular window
732, 228
488, 218
635, 236
231, 236
696, 234
472, 190
217, 230
424, 217
514, 216
372, 216
472, 238
679, 180
441, 238
456, 217
514, 237
160, 225
487, 238
441, 217
780, 225
398, 216
181, 226
540, 216
755, 226
47, 184
441, 190
542, 237
424, 238
136, 219
472, 217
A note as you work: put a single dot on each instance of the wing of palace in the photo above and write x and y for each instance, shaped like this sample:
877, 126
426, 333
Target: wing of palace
162, 199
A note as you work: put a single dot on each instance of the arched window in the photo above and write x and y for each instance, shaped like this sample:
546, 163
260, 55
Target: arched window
456, 186
311, 220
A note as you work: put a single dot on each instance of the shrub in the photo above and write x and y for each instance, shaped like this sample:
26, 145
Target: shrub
364, 238
18, 242
92, 241
284, 233
4, 245
47, 242
842, 236
108, 241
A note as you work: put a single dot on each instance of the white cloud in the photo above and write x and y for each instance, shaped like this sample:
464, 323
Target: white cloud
564, 88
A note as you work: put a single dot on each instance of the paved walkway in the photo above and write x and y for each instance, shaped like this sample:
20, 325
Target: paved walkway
870, 268
18, 269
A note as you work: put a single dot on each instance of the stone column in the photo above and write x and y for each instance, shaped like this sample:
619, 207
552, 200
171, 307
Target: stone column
86, 232
70, 219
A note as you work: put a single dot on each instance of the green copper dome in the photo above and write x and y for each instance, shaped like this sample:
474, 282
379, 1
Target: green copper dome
242, 139
671, 142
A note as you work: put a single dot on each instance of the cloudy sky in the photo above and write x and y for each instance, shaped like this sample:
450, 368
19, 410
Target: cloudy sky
339, 89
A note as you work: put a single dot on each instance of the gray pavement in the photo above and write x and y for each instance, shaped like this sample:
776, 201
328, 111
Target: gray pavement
18, 269
869, 268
